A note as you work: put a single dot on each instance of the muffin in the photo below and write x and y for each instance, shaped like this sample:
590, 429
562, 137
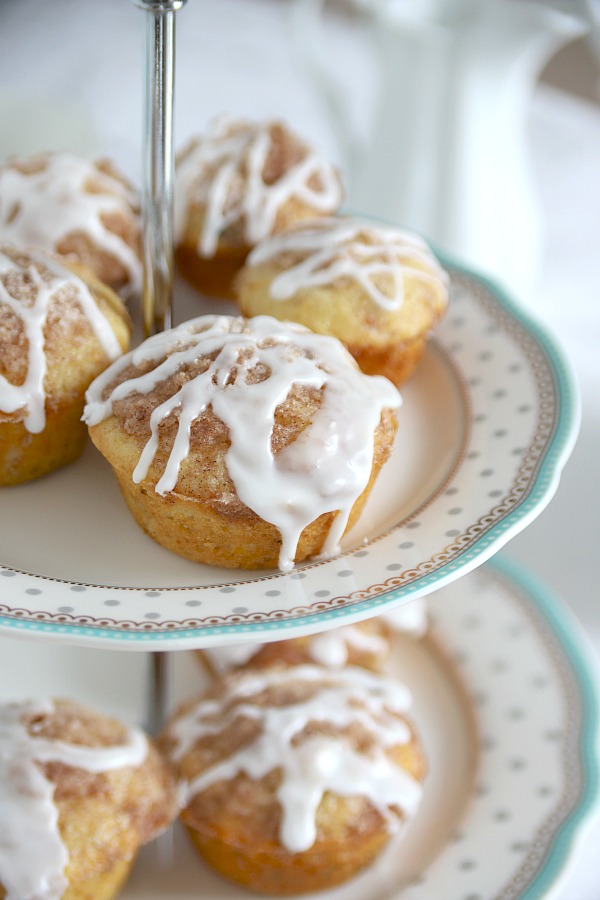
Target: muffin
239, 183
79, 209
59, 328
80, 793
295, 777
378, 290
367, 644
244, 443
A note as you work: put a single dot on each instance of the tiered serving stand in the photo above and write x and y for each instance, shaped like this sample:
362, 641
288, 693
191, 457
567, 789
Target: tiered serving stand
487, 423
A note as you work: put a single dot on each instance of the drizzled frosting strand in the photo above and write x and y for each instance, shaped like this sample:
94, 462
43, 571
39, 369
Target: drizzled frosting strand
330, 648
310, 766
210, 173
325, 469
223, 659
39, 209
411, 618
31, 395
331, 249
32, 854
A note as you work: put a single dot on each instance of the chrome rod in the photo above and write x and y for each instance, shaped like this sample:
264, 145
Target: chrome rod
157, 698
157, 233
158, 162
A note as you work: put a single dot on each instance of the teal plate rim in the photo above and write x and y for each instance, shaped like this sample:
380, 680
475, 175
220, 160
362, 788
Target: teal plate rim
585, 670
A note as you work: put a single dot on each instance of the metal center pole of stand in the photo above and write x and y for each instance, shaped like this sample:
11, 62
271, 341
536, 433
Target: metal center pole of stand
157, 229
158, 159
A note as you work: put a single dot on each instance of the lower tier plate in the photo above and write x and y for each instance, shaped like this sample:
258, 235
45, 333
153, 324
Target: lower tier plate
505, 698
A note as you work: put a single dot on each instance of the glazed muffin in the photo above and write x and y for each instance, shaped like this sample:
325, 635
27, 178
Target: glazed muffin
243, 443
295, 777
237, 184
78, 209
59, 328
367, 644
379, 290
80, 793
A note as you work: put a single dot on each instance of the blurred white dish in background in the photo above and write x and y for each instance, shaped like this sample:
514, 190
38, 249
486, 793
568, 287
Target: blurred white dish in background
31, 125
447, 153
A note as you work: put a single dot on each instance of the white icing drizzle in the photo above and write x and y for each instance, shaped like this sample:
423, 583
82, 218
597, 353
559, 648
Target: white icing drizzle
32, 855
331, 648
210, 170
325, 469
313, 765
38, 209
411, 618
331, 249
31, 395
223, 659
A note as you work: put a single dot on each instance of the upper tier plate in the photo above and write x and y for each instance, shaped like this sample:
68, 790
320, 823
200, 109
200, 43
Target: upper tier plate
486, 425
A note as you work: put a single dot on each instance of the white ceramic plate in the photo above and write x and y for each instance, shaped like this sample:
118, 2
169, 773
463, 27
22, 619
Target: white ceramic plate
505, 698
486, 425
